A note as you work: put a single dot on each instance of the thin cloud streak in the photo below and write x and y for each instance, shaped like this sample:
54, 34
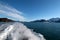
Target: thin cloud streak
11, 12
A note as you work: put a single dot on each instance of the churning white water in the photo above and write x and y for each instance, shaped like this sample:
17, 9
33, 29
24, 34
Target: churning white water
18, 31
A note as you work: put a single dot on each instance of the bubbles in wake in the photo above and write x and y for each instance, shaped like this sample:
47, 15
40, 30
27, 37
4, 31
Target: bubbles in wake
17, 31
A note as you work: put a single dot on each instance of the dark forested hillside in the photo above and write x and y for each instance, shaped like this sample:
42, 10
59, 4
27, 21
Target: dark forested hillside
5, 20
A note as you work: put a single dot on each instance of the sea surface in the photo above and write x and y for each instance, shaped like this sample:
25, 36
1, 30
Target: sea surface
51, 31
18, 31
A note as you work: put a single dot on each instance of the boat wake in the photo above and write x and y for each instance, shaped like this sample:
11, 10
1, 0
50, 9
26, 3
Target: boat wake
18, 31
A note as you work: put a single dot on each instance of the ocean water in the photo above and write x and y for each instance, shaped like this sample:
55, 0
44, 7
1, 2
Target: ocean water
18, 31
51, 31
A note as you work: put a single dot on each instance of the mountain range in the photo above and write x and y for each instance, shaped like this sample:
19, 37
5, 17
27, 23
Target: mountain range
57, 20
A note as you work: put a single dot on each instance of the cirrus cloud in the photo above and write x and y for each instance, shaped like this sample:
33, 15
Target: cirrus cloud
11, 12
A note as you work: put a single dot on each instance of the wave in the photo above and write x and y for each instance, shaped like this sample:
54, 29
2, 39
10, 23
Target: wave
18, 31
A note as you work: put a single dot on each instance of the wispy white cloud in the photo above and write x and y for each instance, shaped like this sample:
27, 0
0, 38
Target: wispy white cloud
11, 12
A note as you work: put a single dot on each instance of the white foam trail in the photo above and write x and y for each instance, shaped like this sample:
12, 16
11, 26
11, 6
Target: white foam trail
4, 34
20, 32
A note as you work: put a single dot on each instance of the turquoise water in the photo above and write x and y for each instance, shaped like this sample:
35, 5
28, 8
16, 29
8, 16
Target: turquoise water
51, 31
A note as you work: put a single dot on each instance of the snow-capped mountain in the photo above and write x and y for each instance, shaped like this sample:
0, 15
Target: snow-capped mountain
54, 19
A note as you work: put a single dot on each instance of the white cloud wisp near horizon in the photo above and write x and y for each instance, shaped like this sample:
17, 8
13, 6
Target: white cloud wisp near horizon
11, 12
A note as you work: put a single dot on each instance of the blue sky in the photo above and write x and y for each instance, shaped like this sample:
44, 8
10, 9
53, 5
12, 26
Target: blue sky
35, 9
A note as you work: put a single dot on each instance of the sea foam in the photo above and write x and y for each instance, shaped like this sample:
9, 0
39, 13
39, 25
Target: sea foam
18, 31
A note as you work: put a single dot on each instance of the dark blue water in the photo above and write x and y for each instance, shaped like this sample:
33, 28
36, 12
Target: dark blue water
11, 31
51, 31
